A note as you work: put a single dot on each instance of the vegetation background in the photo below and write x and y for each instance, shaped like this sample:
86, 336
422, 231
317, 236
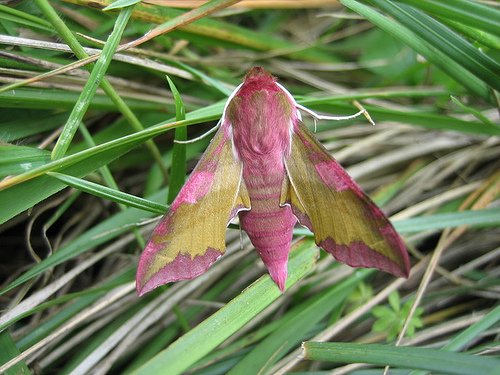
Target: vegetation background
426, 70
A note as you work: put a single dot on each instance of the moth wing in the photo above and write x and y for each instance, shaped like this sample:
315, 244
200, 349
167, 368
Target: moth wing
191, 235
345, 221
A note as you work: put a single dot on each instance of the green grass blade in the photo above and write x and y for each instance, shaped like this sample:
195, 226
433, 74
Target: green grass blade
111, 194
209, 334
178, 170
35, 98
441, 60
19, 159
91, 86
433, 360
470, 13
461, 340
446, 41
290, 334
23, 18
9, 350
488, 217
464, 338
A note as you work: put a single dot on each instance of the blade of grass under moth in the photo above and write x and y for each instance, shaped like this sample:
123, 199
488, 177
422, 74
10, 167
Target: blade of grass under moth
165, 337
210, 333
291, 333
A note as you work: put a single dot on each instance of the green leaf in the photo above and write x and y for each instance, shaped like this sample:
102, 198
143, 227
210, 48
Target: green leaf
394, 302
385, 318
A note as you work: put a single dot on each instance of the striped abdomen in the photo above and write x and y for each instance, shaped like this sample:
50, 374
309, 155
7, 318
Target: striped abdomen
268, 225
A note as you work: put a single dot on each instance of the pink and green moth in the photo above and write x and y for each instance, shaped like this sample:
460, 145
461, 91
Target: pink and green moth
266, 166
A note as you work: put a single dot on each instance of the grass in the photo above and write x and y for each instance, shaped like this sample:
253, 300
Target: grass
87, 159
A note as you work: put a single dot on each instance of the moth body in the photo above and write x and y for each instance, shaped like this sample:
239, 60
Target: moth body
261, 118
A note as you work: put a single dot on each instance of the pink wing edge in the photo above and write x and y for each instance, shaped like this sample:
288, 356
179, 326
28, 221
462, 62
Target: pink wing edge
358, 253
183, 267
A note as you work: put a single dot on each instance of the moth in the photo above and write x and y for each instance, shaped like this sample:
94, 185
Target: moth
266, 166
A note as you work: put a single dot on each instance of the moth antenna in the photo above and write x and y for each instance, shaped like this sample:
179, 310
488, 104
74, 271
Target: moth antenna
368, 117
200, 137
317, 116
325, 117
